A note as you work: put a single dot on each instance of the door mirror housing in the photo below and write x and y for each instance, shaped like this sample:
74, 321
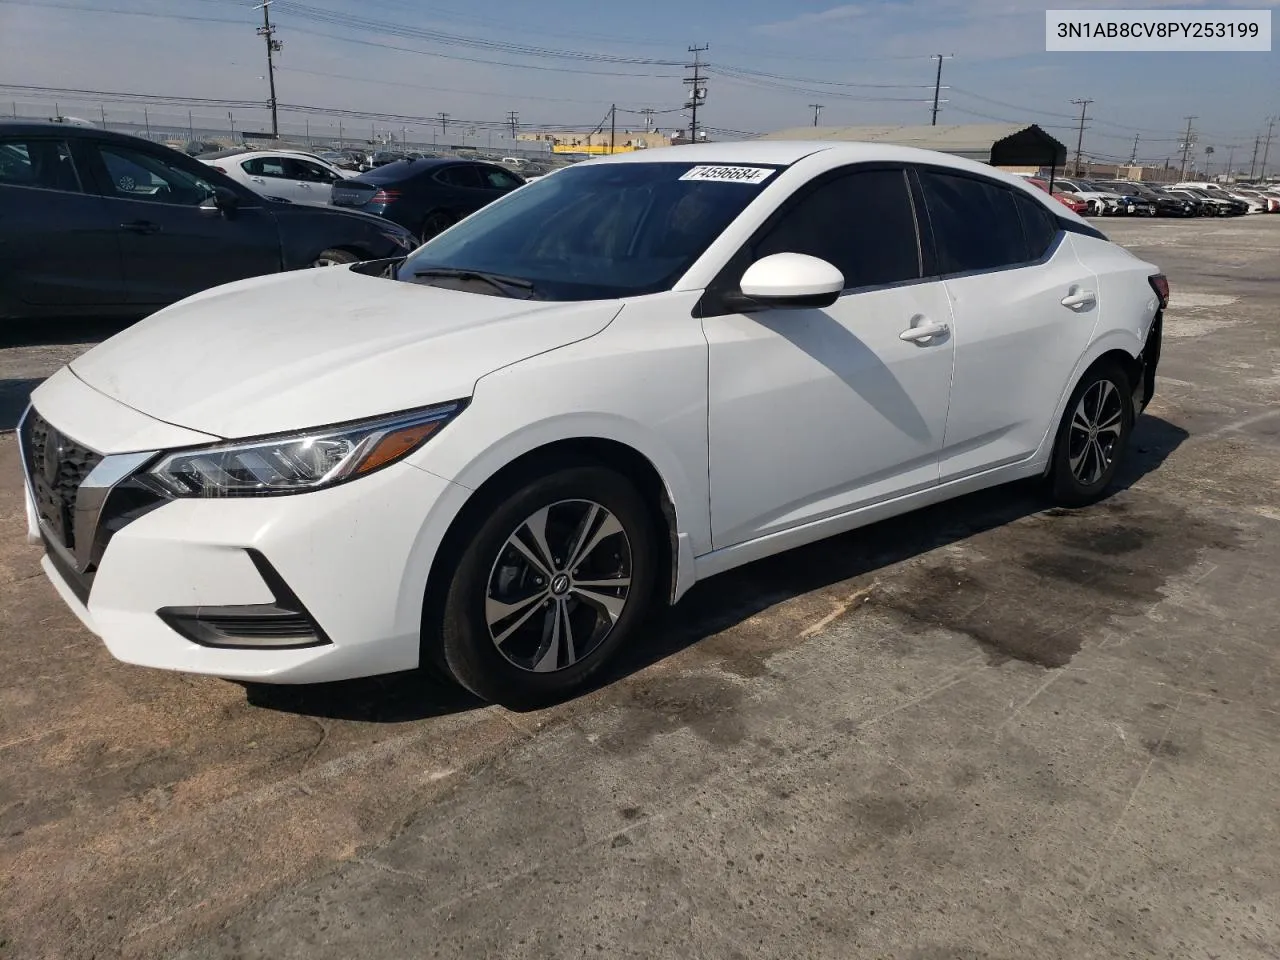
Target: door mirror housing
792, 280
224, 199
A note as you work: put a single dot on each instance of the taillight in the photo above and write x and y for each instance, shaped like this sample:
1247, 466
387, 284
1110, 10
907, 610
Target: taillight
385, 196
1160, 284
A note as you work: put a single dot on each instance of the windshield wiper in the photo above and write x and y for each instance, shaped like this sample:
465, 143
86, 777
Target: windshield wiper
496, 280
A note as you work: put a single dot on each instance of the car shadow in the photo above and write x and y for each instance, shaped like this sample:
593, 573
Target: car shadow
724, 601
14, 395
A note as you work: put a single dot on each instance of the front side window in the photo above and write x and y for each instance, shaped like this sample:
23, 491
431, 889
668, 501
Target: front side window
862, 223
309, 172
597, 232
496, 179
45, 164
975, 222
134, 175
463, 176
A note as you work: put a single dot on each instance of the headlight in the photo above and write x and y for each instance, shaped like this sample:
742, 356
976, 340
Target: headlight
298, 462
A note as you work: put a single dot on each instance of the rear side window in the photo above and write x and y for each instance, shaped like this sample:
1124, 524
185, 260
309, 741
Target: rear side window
461, 176
861, 223
975, 222
264, 167
45, 164
1039, 229
495, 178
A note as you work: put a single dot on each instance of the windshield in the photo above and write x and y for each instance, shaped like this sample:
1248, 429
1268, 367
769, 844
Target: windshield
597, 232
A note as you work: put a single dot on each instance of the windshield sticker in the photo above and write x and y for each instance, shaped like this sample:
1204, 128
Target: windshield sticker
750, 175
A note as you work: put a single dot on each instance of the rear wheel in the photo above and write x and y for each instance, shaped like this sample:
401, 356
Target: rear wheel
437, 222
551, 583
1092, 437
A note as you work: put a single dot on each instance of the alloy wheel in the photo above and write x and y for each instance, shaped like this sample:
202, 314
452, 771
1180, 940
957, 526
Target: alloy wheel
558, 585
1095, 431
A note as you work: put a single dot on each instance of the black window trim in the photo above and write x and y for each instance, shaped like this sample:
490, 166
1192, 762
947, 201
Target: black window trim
711, 303
76, 166
1051, 251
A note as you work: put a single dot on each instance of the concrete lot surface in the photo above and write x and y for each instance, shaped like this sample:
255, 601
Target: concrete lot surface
988, 730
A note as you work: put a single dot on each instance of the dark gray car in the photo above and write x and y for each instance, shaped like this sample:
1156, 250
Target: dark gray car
104, 224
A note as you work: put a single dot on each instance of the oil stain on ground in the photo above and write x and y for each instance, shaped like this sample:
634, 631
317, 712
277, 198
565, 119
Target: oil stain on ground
1037, 590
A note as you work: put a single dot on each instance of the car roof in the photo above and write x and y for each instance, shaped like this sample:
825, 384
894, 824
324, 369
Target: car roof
45, 128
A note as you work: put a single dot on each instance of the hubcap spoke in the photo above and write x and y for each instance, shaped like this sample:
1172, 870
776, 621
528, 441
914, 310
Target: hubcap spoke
611, 582
608, 527
610, 606
496, 611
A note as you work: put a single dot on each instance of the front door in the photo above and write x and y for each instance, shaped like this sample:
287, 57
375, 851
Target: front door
815, 412
174, 242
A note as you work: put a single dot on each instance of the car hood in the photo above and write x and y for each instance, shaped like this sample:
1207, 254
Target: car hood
322, 346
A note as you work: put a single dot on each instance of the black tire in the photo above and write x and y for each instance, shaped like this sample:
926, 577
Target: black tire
335, 258
437, 221
467, 647
1083, 484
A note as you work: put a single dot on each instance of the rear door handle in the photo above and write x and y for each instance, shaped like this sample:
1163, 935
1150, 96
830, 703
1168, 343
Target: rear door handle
1080, 298
144, 227
924, 332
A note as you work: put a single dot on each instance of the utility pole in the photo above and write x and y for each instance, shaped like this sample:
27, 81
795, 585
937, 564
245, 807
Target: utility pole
613, 126
648, 113
1231, 163
191, 127
146, 118
274, 46
1262, 174
817, 109
444, 123
1133, 157
1186, 149
513, 118
937, 84
232, 120
1253, 164
104, 118
1084, 105
697, 89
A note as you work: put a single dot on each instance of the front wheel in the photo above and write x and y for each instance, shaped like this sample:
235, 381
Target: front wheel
553, 580
1092, 437
335, 258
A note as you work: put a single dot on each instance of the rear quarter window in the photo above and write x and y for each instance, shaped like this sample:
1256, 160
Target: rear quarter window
975, 222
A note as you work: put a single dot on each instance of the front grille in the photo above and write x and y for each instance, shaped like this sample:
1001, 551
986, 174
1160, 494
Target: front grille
56, 465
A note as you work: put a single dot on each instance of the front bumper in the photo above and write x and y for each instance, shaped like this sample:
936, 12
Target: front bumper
305, 588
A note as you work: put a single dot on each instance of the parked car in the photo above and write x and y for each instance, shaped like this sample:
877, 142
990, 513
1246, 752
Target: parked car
1163, 204
1217, 205
100, 223
1229, 192
1069, 200
496, 454
426, 196
1098, 203
281, 174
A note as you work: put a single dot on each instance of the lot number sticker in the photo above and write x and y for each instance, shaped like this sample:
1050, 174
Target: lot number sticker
751, 175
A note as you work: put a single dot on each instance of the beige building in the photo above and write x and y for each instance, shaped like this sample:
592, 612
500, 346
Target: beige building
598, 141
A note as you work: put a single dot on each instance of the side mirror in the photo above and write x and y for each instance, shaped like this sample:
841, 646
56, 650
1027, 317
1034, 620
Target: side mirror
223, 200
792, 280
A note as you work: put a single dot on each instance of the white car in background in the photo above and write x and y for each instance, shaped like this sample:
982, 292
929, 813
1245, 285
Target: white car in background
1101, 202
1256, 204
280, 174
496, 454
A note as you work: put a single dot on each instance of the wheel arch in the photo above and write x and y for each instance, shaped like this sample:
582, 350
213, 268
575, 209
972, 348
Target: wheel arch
676, 569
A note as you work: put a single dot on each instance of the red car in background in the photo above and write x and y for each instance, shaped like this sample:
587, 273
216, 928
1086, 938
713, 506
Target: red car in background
1074, 204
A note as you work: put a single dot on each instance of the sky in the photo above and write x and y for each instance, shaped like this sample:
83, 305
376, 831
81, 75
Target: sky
564, 62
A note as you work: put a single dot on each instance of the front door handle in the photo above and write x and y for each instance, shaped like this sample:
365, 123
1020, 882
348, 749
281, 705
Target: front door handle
924, 332
1080, 298
144, 227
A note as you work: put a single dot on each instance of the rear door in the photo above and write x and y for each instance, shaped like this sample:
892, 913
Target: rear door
58, 243
174, 242
1024, 309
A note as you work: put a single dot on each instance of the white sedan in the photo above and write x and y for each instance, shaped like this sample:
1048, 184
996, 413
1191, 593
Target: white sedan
280, 174
495, 454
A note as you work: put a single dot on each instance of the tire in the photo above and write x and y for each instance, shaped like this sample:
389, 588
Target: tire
436, 222
1084, 464
335, 258
501, 626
